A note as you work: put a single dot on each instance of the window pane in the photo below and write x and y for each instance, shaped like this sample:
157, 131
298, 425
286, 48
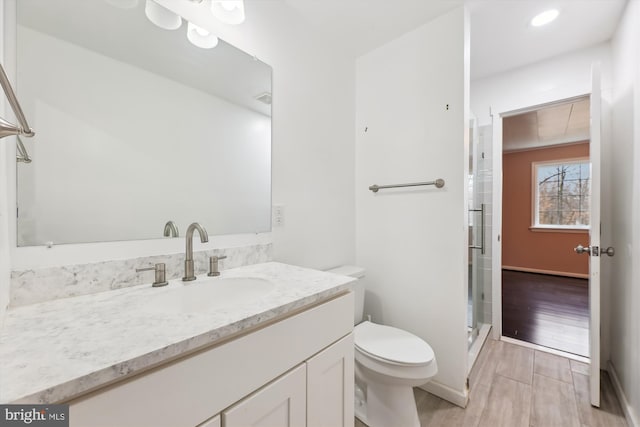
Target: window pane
546, 172
548, 203
584, 218
562, 193
548, 217
548, 188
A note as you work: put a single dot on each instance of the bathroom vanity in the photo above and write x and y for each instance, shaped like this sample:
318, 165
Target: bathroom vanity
284, 359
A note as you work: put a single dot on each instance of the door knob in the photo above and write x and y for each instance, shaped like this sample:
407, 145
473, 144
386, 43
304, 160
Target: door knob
582, 250
609, 251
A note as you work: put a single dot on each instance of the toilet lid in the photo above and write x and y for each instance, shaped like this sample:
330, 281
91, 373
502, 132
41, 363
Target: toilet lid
392, 344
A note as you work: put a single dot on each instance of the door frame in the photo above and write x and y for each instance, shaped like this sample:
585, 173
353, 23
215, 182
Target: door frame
496, 218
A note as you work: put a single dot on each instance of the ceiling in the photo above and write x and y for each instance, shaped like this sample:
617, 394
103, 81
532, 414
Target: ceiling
501, 37
362, 25
551, 125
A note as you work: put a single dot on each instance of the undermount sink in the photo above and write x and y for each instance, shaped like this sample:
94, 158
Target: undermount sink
210, 293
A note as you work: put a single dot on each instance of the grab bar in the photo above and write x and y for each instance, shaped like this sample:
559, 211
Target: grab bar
439, 183
482, 240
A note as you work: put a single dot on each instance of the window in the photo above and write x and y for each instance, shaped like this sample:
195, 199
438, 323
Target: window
562, 193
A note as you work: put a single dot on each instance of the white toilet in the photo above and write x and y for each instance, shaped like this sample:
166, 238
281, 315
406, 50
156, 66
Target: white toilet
389, 362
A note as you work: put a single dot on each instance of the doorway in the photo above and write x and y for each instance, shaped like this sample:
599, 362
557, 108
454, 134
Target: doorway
545, 215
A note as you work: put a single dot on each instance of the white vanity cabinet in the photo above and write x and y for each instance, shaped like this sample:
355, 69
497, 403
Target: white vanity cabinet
295, 372
279, 404
213, 422
330, 383
318, 393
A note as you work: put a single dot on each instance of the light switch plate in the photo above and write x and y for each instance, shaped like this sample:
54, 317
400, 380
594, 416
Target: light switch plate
277, 215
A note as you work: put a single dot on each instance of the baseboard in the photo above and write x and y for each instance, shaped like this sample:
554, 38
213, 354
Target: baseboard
447, 393
550, 272
629, 413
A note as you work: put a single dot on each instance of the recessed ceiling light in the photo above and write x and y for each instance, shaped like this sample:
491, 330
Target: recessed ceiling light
545, 17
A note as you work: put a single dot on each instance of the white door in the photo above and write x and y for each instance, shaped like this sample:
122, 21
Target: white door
330, 386
594, 237
281, 403
594, 250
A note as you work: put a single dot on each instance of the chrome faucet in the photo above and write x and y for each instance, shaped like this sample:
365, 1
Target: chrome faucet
171, 230
188, 258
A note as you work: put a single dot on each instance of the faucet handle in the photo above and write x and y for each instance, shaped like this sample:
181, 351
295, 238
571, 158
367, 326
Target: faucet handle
161, 276
213, 265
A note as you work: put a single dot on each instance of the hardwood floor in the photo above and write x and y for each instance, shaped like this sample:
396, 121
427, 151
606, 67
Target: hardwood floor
515, 386
551, 311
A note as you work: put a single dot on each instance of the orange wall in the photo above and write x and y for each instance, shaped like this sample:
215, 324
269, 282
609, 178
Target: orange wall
522, 247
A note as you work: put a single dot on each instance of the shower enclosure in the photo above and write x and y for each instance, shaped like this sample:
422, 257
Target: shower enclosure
480, 211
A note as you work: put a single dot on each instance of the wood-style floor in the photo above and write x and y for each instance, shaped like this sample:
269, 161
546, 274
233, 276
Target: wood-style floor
551, 311
514, 386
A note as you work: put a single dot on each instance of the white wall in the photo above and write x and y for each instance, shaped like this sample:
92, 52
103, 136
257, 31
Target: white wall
547, 81
558, 78
216, 173
313, 155
625, 289
313, 124
413, 243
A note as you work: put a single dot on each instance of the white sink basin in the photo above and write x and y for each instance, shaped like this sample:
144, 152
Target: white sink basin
210, 293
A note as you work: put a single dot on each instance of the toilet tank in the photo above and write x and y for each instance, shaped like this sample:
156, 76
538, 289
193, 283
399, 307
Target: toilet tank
357, 286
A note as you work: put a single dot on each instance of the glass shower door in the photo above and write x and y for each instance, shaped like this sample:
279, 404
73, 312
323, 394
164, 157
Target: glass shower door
480, 210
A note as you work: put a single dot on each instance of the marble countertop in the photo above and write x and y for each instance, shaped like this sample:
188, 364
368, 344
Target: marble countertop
56, 350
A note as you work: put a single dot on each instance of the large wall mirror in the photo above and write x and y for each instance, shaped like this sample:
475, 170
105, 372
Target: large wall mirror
135, 126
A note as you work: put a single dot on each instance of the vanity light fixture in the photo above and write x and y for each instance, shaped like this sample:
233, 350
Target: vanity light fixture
544, 18
228, 11
162, 16
201, 37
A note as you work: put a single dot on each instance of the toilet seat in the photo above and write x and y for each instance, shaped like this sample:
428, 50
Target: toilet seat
392, 345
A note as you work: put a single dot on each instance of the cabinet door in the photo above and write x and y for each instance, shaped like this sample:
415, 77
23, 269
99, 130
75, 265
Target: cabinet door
330, 382
281, 403
212, 422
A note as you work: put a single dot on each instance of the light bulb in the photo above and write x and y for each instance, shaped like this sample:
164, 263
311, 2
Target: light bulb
228, 11
201, 31
229, 5
162, 16
200, 37
545, 17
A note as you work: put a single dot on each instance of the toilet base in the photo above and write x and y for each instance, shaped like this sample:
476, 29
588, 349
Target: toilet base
388, 405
